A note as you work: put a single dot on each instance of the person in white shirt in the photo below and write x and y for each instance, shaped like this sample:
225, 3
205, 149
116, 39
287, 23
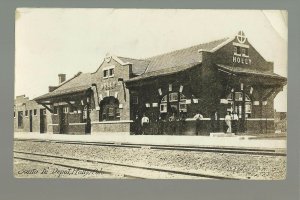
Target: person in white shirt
199, 119
228, 122
145, 123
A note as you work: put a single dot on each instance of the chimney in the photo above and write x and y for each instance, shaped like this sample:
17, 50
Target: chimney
61, 78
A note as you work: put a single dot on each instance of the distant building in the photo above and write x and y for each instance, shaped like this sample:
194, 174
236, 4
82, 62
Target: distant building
280, 122
211, 79
29, 116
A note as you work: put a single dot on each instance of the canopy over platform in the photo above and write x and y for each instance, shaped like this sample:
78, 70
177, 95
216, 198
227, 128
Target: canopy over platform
253, 76
78, 85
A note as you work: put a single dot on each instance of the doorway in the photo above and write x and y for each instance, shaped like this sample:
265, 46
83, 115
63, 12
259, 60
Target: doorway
43, 121
30, 121
63, 119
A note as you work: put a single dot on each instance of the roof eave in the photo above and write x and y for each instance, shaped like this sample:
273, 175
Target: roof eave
138, 78
51, 97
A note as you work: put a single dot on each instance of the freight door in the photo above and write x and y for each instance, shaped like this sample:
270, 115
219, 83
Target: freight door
30, 120
43, 121
63, 120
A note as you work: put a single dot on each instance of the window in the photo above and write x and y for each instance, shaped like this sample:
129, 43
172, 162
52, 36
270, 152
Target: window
65, 109
238, 50
235, 50
105, 73
20, 119
238, 102
173, 97
14, 114
111, 72
248, 107
163, 108
109, 109
55, 110
44, 112
26, 113
245, 52
182, 107
173, 103
238, 96
34, 112
108, 72
164, 99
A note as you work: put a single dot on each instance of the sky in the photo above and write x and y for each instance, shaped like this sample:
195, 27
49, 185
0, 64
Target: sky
53, 40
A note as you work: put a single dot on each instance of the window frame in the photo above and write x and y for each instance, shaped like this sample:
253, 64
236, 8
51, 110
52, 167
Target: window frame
113, 72
105, 73
163, 109
182, 109
173, 97
65, 109
109, 110
108, 72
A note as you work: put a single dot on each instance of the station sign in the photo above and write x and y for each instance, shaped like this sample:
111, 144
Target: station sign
241, 60
240, 53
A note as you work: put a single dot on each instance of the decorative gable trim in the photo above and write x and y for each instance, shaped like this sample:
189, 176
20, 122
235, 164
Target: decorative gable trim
108, 58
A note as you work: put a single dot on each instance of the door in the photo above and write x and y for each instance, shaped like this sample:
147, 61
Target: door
30, 120
43, 121
63, 120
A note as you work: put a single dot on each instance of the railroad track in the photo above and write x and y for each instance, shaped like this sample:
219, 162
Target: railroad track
232, 150
117, 169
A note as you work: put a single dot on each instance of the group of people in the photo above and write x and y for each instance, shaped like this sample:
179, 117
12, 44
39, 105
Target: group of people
231, 122
145, 123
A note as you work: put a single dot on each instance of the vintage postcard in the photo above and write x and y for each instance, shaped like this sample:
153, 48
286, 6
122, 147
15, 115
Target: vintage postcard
150, 94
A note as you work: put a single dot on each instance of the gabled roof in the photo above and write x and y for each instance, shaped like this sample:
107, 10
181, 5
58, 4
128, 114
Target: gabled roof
176, 61
138, 65
182, 56
79, 83
163, 72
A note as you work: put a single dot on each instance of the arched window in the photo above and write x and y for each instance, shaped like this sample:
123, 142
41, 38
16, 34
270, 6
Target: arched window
109, 109
175, 104
238, 103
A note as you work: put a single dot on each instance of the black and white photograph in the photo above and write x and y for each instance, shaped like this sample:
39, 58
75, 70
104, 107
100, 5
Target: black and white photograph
150, 94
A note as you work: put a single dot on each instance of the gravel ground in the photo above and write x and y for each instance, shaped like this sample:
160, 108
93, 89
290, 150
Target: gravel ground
222, 164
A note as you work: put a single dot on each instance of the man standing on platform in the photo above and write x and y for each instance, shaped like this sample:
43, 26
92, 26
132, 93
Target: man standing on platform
145, 123
235, 119
199, 119
228, 122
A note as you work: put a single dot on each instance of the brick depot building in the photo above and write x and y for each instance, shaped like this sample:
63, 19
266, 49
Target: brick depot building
211, 79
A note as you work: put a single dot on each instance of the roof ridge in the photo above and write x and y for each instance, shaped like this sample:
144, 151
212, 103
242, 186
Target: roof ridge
141, 59
63, 83
170, 52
